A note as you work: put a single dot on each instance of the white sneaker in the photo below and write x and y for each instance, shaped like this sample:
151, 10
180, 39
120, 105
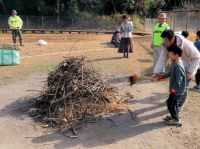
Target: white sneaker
173, 122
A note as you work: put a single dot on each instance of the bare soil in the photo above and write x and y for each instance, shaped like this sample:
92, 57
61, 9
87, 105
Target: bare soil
19, 84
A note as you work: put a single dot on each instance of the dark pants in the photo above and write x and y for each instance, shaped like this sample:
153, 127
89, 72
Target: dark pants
16, 33
173, 105
197, 77
121, 45
116, 43
184, 96
126, 46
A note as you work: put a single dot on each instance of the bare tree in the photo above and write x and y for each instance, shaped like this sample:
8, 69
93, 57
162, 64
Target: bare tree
3, 6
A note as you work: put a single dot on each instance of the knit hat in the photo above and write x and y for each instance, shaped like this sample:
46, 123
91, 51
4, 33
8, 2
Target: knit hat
162, 16
14, 12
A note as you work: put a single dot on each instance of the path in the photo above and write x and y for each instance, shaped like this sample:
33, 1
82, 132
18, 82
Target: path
146, 131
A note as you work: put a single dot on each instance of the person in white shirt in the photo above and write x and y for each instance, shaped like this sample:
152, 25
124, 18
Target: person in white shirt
131, 46
126, 30
190, 58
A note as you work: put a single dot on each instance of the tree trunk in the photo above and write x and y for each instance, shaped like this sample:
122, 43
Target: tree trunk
3, 6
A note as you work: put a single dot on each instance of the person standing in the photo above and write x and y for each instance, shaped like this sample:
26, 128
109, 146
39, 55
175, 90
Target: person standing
126, 30
131, 44
190, 58
15, 23
157, 40
177, 84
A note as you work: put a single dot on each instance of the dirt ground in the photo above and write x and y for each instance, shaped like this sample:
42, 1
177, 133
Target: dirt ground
21, 83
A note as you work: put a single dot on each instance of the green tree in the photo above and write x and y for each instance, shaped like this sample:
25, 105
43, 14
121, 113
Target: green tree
154, 8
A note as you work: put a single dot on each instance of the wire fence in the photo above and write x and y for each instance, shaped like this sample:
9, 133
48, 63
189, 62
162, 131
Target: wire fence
188, 20
63, 22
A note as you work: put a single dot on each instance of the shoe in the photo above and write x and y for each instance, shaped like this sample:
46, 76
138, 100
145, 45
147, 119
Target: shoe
167, 118
21, 45
173, 122
197, 86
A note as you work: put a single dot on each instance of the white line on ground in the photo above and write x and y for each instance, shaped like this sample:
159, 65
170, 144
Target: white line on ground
48, 54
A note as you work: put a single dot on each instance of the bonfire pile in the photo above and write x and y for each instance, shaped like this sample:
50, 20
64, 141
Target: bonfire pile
74, 92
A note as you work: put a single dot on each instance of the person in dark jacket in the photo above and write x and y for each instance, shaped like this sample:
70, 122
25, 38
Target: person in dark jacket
197, 76
116, 39
177, 85
190, 58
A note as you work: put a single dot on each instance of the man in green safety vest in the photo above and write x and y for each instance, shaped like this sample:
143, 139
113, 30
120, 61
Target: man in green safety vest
15, 23
157, 40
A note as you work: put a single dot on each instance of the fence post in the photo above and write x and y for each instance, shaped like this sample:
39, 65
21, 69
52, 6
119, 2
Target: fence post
171, 19
42, 22
187, 21
174, 23
72, 20
27, 22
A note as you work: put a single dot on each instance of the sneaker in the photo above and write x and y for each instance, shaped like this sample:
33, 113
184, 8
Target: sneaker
173, 122
197, 86
167, 118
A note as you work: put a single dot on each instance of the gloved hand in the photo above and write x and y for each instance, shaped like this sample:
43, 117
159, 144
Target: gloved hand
172, 92
158, 77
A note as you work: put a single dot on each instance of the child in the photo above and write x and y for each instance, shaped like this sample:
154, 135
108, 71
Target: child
116, 39
126, 34
177, 85
185, 34
197, 76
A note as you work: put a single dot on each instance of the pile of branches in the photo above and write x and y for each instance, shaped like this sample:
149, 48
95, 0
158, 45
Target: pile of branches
74, 92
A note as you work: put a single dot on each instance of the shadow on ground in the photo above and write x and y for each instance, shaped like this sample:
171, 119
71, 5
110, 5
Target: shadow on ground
107, 45
106, 59
110, 130
18, 109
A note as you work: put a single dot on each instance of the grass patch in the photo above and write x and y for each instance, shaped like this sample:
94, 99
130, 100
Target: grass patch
22, 74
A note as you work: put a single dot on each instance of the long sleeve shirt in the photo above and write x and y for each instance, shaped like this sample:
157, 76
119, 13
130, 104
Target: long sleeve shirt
177, 76
197, 45
190, 56
152, 37
126, 30
15, 22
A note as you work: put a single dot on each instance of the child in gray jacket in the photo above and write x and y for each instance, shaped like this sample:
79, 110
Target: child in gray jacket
177, 85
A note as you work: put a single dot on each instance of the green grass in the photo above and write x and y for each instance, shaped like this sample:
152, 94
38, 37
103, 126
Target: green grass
27, 72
